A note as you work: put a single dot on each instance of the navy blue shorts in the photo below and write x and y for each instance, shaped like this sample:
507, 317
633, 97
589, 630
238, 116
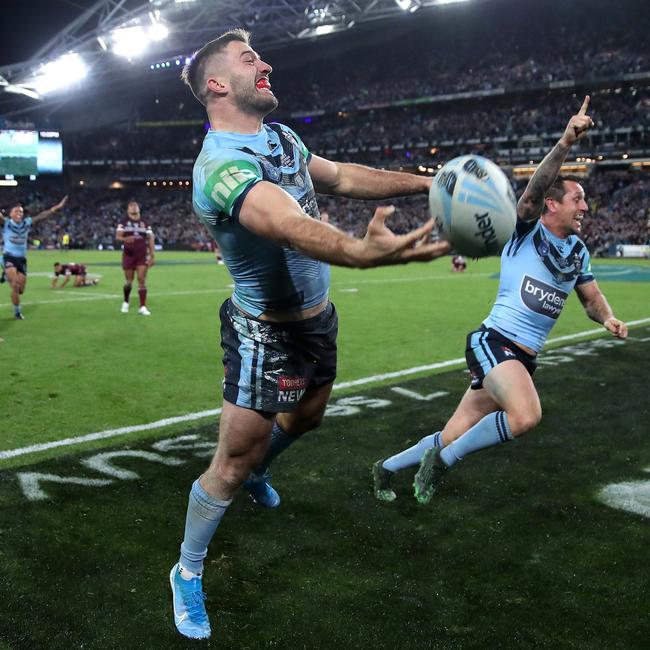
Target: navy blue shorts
269, 366
18, 263
487, 348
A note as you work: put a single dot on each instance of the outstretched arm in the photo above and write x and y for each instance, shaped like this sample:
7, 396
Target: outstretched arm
46, 213
531, 202
270, 212
361, 182
598, 309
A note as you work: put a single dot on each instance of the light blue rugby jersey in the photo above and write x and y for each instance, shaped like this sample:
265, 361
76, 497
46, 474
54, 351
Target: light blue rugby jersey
538, 271
15, 236
267, 276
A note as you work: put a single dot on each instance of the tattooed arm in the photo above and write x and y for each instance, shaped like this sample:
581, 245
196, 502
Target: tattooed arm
531, 202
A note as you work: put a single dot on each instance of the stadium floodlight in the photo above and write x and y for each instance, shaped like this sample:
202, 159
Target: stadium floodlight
58, 74
133, 40
408, 5
157, 30
129, 41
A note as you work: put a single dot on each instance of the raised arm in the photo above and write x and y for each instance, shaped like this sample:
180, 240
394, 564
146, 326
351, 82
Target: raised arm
46, 213
597, 308
360, 182
531, 202
270, 212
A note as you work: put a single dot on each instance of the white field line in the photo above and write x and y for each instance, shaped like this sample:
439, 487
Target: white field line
189, 417
158, 294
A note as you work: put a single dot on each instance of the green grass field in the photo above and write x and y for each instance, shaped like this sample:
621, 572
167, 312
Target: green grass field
525, 546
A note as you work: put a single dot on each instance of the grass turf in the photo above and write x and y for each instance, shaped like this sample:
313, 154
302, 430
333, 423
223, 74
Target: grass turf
516, 550
77, 366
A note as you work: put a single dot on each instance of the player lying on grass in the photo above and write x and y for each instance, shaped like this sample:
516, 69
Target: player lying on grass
255, 189
76, 271
544, 260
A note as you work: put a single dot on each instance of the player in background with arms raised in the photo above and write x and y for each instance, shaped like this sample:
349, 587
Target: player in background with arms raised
137, 254
255, 189
15, 235
543, 261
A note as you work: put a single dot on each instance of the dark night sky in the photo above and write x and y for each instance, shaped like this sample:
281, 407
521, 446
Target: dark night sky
25, 25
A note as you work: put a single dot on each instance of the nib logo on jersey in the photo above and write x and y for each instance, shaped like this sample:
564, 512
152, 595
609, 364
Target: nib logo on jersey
291, 389
542, 298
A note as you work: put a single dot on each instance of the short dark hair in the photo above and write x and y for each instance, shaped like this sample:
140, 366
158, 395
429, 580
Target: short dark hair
558, 190
194, 71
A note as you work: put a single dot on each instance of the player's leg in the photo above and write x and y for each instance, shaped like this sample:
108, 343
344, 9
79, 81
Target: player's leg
129, 273
511, 387
311, 357
473, 406
501, 373
17, 281
142, 289
287, 428
243, 440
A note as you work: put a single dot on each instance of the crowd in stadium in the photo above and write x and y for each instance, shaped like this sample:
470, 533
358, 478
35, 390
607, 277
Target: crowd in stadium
530, 57
512, 118
619, 212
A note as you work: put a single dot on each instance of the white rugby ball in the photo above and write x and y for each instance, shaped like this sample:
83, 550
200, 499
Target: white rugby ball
474, 206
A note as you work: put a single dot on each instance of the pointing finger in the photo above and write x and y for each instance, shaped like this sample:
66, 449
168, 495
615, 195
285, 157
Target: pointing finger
585, 106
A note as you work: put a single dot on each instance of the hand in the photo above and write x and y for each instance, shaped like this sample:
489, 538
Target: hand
382, 246
60, 204
150, 260
578, 125
617, 327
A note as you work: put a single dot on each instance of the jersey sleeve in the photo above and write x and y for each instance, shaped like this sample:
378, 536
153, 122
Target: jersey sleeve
221, 182
585, 275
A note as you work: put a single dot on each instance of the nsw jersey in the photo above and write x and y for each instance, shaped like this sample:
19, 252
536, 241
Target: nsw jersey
267, 276
538, 271
138, 229
15, 236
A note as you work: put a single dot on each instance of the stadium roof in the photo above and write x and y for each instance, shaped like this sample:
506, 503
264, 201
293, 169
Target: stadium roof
141, 31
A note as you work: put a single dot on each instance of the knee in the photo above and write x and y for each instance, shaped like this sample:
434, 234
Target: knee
522, 421
230, 472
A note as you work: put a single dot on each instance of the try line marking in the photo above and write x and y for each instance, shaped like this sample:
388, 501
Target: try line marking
199, 415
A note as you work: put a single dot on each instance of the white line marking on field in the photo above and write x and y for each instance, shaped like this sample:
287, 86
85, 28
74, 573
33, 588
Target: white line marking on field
115, 296
200, 415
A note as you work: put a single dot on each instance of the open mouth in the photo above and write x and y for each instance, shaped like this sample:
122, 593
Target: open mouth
263, 84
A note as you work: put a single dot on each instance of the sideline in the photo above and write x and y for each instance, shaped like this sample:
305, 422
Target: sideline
199, 415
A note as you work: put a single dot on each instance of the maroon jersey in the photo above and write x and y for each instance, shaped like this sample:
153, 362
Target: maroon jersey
138, 229
71, 269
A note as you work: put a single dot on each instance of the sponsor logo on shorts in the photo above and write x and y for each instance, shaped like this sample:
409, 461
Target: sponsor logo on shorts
291, 389
542, 298
507, 351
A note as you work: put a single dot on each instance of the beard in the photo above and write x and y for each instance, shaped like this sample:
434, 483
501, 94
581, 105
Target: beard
249, 100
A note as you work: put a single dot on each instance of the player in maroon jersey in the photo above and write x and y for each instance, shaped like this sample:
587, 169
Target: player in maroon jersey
137, 254
76, 271
458, 263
